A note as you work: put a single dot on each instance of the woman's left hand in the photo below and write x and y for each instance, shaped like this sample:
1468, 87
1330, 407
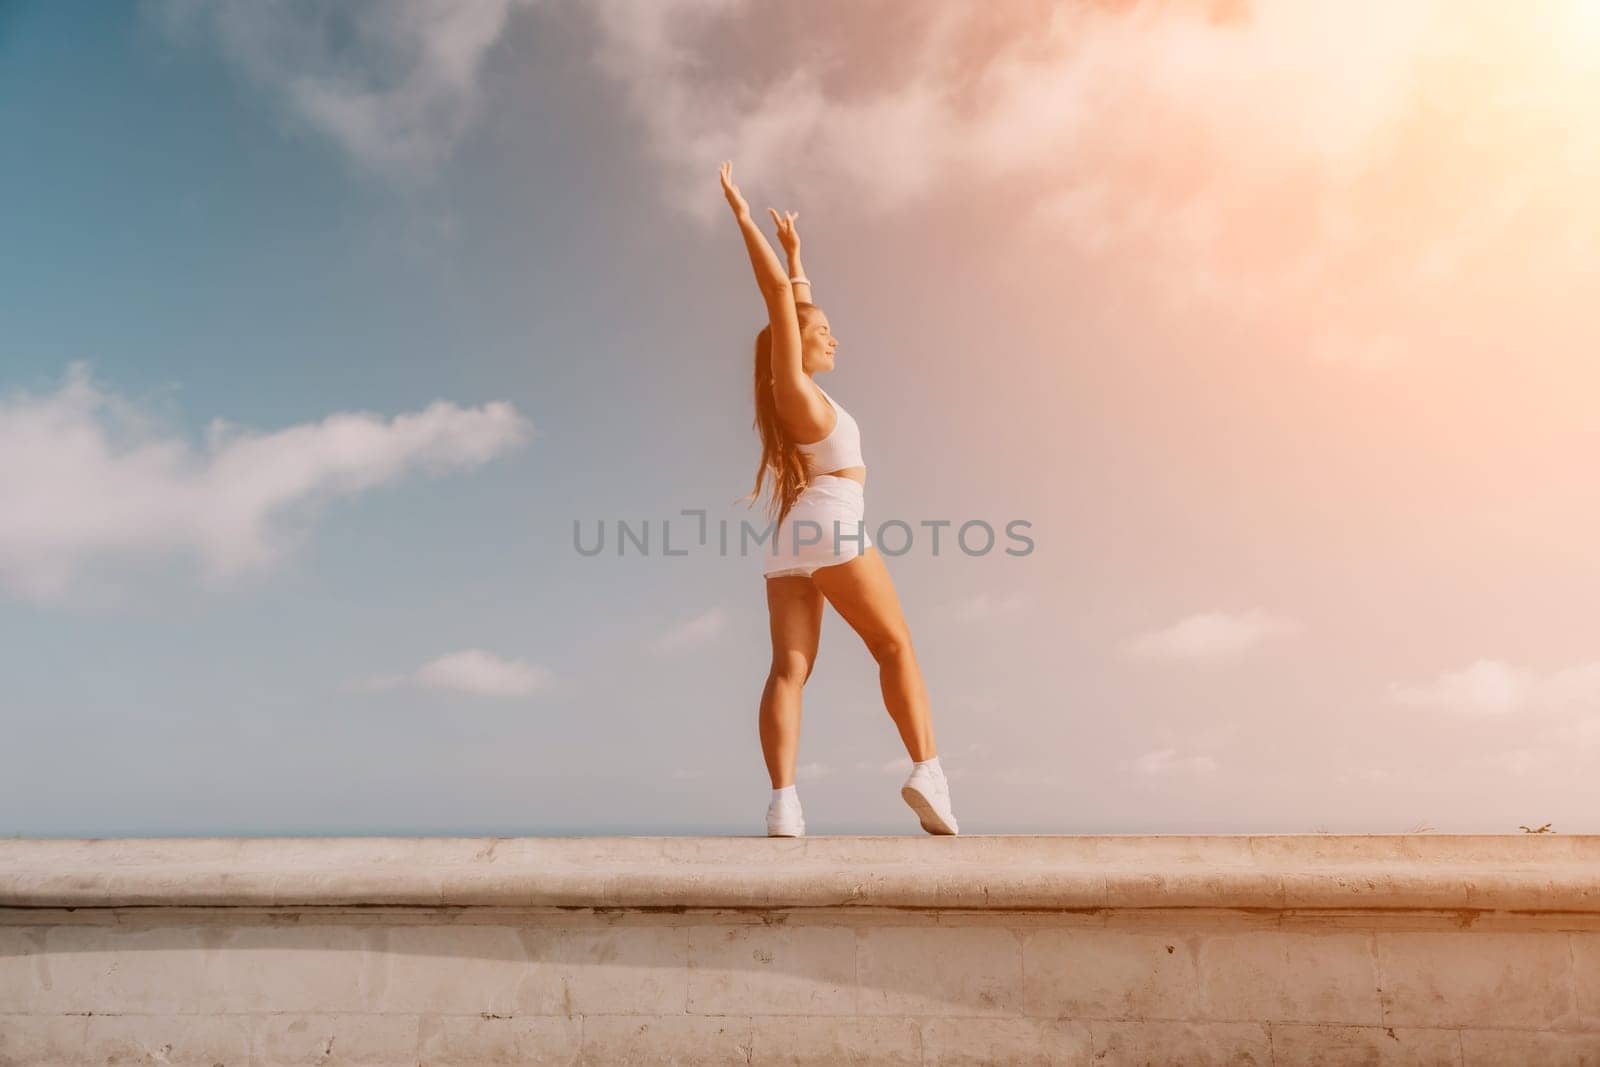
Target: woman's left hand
741, 209
787, 232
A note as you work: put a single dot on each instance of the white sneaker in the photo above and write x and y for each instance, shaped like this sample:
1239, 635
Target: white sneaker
929, 796
784, 819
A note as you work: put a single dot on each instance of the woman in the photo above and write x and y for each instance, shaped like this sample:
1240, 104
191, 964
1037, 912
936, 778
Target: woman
820, 549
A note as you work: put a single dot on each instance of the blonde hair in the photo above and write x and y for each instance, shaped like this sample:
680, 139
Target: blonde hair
780, 457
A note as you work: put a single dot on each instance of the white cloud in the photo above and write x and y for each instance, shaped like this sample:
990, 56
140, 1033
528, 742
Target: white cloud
88, 476
1032, 777
1210, 637
1165, 762
394, 82
1486, 687
1492, 687
1372, 775
1328, 172
900, 766
988, 92
811, 772
984, 607
691, 633
471, 671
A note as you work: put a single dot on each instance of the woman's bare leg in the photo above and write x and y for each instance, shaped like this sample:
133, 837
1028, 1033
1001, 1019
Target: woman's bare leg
794, 609
861, 592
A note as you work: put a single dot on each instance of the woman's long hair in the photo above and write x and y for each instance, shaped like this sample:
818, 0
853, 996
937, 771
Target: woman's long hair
780, 458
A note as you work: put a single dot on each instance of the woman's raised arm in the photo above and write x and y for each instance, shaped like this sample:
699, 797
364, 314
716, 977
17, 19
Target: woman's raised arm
789, 237
788, 378
769, 272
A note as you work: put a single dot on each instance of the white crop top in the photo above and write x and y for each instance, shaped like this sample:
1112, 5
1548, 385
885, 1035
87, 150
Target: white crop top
840, 449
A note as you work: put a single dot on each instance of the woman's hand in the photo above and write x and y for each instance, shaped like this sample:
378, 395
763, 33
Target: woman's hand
741, 210
775, 285
787, 232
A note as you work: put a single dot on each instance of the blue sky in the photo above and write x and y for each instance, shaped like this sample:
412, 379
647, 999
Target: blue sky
323, 329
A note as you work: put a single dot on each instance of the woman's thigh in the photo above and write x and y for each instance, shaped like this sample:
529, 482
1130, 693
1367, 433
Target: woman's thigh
862, 593
794, 611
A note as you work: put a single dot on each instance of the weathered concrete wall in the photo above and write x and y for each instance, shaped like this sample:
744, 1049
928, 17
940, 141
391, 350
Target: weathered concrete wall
1107, 950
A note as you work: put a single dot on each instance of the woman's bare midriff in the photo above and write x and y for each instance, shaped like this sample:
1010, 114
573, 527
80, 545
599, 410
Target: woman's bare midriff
855, 474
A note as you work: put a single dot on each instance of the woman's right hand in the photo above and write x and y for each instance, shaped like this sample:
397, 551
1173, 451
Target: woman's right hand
787, 233
741, 210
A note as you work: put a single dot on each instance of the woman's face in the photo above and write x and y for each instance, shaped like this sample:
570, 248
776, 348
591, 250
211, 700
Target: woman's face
817, 344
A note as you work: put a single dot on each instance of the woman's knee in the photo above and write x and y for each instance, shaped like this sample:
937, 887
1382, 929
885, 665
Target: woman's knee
890, 647
790, 668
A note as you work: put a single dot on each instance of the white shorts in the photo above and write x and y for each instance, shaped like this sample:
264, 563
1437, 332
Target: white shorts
827, 525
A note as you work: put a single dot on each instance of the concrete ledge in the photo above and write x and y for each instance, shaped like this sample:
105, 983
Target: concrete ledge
1281, 949
1519, 873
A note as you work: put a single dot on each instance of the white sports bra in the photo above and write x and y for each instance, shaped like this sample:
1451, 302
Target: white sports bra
840, 449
